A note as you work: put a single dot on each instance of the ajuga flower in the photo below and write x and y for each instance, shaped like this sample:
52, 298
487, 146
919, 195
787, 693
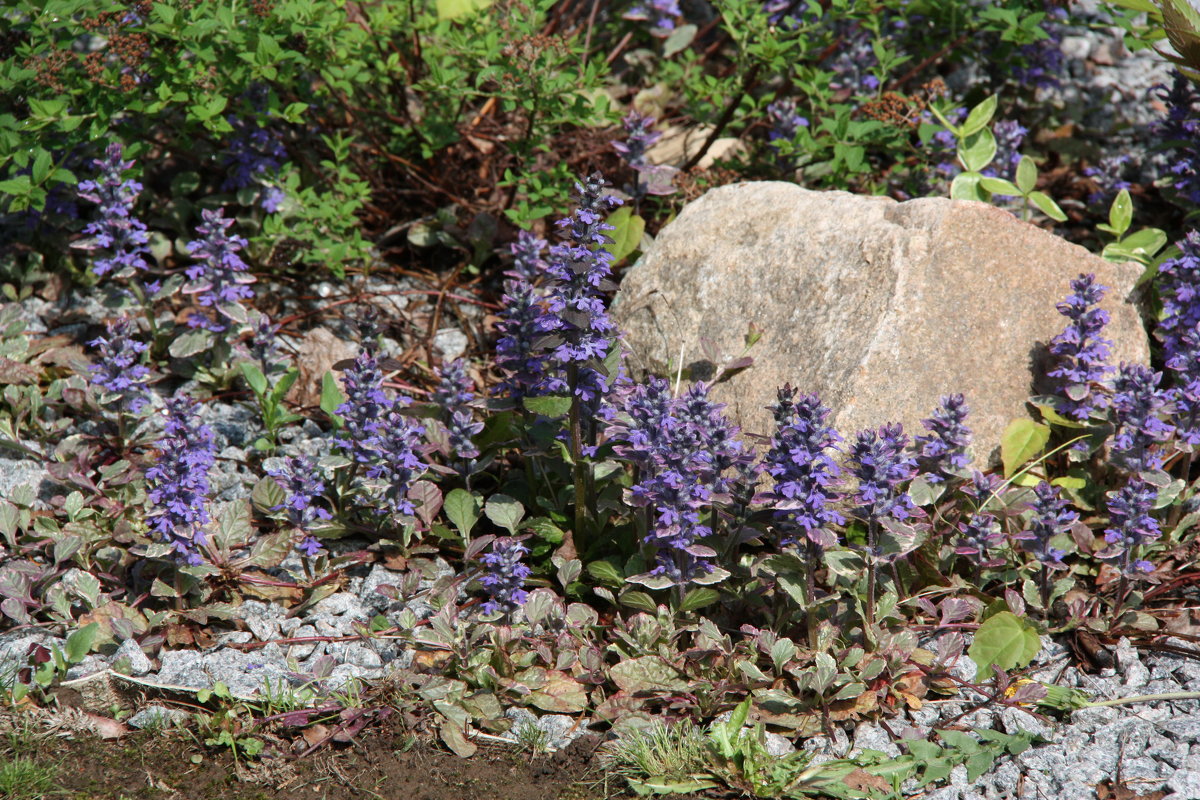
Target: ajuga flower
786, 121
580, 270
879, 462
527, 257
178, 481
363, 410
521, 355
1050, 518
300, 480
1109, 175
651, 178
1132, 526
1178, 132
453, 394
979, 532
1080, 349
219, 276
660, 14
396, 459
944, 448
117, 370
504, 576
1044, 58
1138, 407
117, 230
801, 462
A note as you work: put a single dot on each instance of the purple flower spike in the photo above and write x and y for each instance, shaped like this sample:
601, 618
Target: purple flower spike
300, 479
520, 355
363, 411
504, 578
178, 481
1178, 132
397, 460
944, 448
117, 230
879, 463
641, 137
1050, 518
804, 469
117, 370
254, 152
1081, 350
660, 14
528, 263
1132, 526
786, 121
219, 277
1138, 407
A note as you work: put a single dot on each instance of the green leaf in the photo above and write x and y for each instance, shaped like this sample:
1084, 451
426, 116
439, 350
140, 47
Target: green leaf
1047, 206
506, 512
679, 40
1005, 641
19, 185
980, 116
699, 598
646, 674
331, 396
191, 343
1000, 186
549, 405
1120, 213
965, 186
462, 509
1027, 173
79, 643
451, 9
977, 150
639, 600
1023, 439
1147, 242
254, 377
626, 234
606, 573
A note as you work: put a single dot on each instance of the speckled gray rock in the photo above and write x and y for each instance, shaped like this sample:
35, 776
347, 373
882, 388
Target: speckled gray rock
881, 307
1184, 784
156, 716
26, 473
559, 729
869, 736
130, 656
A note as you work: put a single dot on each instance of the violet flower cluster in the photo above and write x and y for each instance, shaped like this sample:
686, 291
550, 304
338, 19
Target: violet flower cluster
377, 435
1132, 527
524, 328
580, 270
879, 462
117, 369
1050, 518
178, 481
528, 262
1044, 58
1180, 131
661, 14
979, 534
943, 450
219, 277
117, 230
683, 447
1138, 406
1009, 135
504, 576
1178, 286
1109, 175
651, 178
1080, 349
804, 470
785, 120
853, 62
300, 480
453, 395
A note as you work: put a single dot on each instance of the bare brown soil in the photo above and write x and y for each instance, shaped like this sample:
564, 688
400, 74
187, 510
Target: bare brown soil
383, 763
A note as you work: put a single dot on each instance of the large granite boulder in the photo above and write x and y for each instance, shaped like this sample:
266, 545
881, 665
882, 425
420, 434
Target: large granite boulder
881, 307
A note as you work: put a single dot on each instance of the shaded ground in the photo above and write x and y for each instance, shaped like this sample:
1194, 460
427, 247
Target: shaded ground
386, 762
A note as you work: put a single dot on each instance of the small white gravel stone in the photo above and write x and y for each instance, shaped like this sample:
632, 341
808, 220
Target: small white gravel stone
1185, 784
138, 662
156, 716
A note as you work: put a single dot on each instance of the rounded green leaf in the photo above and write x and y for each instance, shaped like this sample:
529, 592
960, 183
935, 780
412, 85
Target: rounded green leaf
965, 186
980, 116
1023, 439
977, 150
506, 512
1005, 641
1000, 186
1027, 174
1120, 214
1047, 206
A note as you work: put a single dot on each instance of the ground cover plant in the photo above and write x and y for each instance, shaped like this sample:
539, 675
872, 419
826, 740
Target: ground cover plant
201, 185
